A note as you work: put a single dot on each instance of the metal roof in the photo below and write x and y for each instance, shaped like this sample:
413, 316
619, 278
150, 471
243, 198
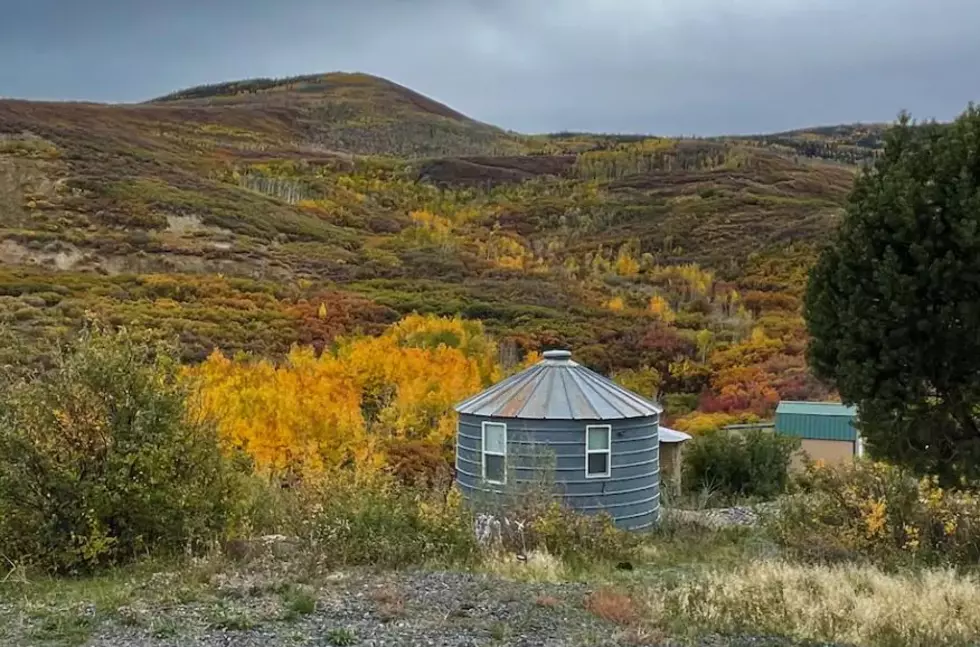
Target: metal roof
816, 408
556, 388
668, 435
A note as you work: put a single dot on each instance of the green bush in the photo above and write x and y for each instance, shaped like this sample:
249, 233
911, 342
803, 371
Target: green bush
532, 517
750, 464
99, 462
879, 512
346, 519
377, 521
580, 540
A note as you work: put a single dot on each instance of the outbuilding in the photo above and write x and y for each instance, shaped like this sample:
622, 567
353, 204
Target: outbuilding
826, 429
671, 457
599, 441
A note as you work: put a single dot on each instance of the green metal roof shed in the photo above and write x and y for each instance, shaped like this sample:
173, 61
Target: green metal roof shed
816, 420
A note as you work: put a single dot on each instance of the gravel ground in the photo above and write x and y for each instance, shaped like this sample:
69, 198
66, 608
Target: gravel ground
431, 609
721, 517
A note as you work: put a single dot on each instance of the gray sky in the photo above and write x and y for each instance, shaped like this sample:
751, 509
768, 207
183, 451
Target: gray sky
656, 66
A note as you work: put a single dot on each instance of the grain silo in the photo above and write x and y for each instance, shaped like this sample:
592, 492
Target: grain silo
602, 440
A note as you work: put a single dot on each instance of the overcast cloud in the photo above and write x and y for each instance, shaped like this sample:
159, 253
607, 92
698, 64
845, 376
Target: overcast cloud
655, 66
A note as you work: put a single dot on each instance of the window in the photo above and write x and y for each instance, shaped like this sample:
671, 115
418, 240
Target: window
598, 451
495, 452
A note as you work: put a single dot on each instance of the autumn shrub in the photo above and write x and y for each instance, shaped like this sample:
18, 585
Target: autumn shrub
418, 463
754, 463
99, 463
879, 512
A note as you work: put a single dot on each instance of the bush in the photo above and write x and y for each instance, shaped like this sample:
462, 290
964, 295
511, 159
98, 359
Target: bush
377, 521
528, 518
750, 464
99, 464
418, 463
878, 512
579, 540
349, 519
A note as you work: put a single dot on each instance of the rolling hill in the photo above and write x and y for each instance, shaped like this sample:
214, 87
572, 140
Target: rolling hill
227, 214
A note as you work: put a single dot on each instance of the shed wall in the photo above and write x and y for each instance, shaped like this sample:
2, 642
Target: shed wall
828, 451
554, 450
816, 427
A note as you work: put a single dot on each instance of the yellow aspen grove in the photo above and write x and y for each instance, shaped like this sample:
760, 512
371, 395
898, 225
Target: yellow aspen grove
316, 413
626, 265
616, 304
661, 310
302, 415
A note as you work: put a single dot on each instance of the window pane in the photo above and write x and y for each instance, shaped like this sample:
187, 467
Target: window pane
495, 438
495, 469
598, 464
599, 438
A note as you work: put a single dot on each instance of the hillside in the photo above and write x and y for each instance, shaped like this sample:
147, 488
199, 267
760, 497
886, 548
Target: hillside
354, 113
229, 214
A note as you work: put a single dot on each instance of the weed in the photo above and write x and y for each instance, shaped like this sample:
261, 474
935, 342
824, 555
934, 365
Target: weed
231, 619
499, 631
341, 637
297, 602
164, 628
131, 616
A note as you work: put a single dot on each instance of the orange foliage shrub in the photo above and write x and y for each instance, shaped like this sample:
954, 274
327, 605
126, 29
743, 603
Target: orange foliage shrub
417, 463
741, 388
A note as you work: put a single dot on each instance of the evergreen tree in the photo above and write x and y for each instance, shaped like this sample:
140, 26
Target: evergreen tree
893, 305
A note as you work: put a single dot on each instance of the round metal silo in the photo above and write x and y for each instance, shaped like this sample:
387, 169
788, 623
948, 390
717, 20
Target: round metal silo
558, 422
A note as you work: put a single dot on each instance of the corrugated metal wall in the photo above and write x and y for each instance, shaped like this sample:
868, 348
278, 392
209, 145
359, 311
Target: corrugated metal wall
816, 427
555, 449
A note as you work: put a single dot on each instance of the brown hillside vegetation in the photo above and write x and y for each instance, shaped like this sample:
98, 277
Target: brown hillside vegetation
228, 215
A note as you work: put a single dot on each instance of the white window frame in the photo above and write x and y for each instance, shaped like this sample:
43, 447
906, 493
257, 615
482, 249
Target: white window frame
484, 452
607, 452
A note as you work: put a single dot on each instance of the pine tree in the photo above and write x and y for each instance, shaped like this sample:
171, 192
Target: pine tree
893, 306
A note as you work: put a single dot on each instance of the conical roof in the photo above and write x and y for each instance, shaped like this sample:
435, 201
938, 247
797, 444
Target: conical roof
556, 388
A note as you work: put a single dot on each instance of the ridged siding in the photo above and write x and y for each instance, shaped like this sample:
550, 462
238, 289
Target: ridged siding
631, 494
816, 427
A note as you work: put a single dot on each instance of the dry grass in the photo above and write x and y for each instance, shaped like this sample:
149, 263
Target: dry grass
546, 601
613, 606
390, 601
537, 566
857, 605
